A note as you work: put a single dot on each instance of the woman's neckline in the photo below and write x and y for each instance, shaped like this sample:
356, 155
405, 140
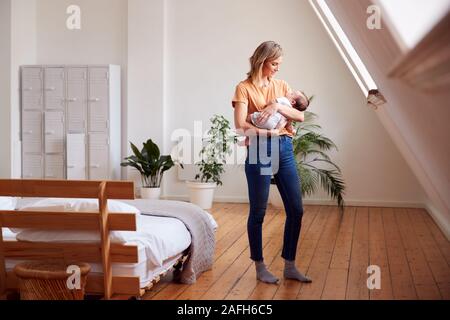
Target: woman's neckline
265, 84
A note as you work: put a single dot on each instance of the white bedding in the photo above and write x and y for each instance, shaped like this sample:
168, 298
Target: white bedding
161, 237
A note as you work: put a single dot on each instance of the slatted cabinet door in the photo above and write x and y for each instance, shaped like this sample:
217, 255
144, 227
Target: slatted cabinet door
33, 166
32, 95
98, 99
98, 156
32, 122
54, 132
76, 99
54, 145
54, 166
32, 132
76, 156
54, 88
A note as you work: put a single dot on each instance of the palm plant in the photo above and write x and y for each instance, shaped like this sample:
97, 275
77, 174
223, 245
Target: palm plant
313, 164
150, 163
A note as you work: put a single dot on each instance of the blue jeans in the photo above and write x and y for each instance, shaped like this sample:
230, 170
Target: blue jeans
267, 156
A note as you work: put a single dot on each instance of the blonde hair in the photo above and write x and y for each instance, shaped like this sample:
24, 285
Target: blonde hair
266, 51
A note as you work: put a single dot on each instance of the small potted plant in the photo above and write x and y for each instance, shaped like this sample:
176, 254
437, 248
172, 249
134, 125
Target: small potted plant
211, 166
151, 165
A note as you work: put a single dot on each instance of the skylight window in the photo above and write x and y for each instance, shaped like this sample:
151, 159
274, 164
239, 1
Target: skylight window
344, 46
413, 19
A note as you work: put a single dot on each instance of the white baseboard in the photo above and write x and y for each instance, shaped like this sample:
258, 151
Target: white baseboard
365, 203
323, 202
216, 199
439, 218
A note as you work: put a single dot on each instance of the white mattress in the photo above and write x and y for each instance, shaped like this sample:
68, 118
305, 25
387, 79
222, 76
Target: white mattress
160, 243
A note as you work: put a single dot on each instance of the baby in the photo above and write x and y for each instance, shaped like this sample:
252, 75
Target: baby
295, 99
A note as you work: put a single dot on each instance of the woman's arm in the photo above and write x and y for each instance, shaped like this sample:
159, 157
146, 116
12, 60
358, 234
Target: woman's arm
245, 128
291, 113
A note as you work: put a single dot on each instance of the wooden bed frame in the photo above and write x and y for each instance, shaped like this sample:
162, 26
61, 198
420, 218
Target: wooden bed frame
103, 222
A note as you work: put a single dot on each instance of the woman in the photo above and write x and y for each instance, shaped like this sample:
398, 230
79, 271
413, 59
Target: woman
270, 152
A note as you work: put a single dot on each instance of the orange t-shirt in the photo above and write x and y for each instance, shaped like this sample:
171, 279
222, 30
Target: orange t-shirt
257, 98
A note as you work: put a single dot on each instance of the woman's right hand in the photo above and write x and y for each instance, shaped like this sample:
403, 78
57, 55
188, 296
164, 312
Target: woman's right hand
266, 113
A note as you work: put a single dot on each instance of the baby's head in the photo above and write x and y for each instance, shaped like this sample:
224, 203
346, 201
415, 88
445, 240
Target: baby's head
298, 100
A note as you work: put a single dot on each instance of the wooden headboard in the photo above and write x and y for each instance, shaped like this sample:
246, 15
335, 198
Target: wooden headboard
102, 221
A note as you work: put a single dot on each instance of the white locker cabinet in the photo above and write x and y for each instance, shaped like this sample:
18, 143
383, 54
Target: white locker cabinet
71, 125
76, 156
76, 99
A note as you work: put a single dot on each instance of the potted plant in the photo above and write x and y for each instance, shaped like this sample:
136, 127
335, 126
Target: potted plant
314, 166
216, 147
151, 165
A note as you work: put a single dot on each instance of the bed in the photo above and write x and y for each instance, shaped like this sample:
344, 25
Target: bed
124, 267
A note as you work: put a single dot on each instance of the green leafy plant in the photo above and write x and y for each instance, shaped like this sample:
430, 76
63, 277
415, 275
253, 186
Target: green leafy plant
215, 150
314, 165
150, 163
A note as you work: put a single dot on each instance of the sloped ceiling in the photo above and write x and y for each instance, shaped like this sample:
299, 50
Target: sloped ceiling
417, 122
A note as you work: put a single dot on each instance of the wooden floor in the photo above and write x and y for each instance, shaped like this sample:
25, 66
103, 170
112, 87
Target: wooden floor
334, 250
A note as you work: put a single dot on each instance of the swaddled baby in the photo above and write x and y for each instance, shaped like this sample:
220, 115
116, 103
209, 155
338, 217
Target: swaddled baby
294, 99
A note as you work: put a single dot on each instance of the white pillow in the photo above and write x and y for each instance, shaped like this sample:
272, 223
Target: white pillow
8, 203
72, 205
77, 205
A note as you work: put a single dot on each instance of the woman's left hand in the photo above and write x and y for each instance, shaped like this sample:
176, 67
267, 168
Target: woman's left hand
265, 114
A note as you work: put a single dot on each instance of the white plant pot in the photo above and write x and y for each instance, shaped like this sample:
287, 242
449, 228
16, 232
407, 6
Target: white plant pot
201, 193
150, 193
275, 197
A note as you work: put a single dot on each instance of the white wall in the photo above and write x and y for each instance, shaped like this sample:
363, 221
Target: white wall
18, 46
208, 55
23, 48
145, 74
99, 41
5, 88
184, 58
